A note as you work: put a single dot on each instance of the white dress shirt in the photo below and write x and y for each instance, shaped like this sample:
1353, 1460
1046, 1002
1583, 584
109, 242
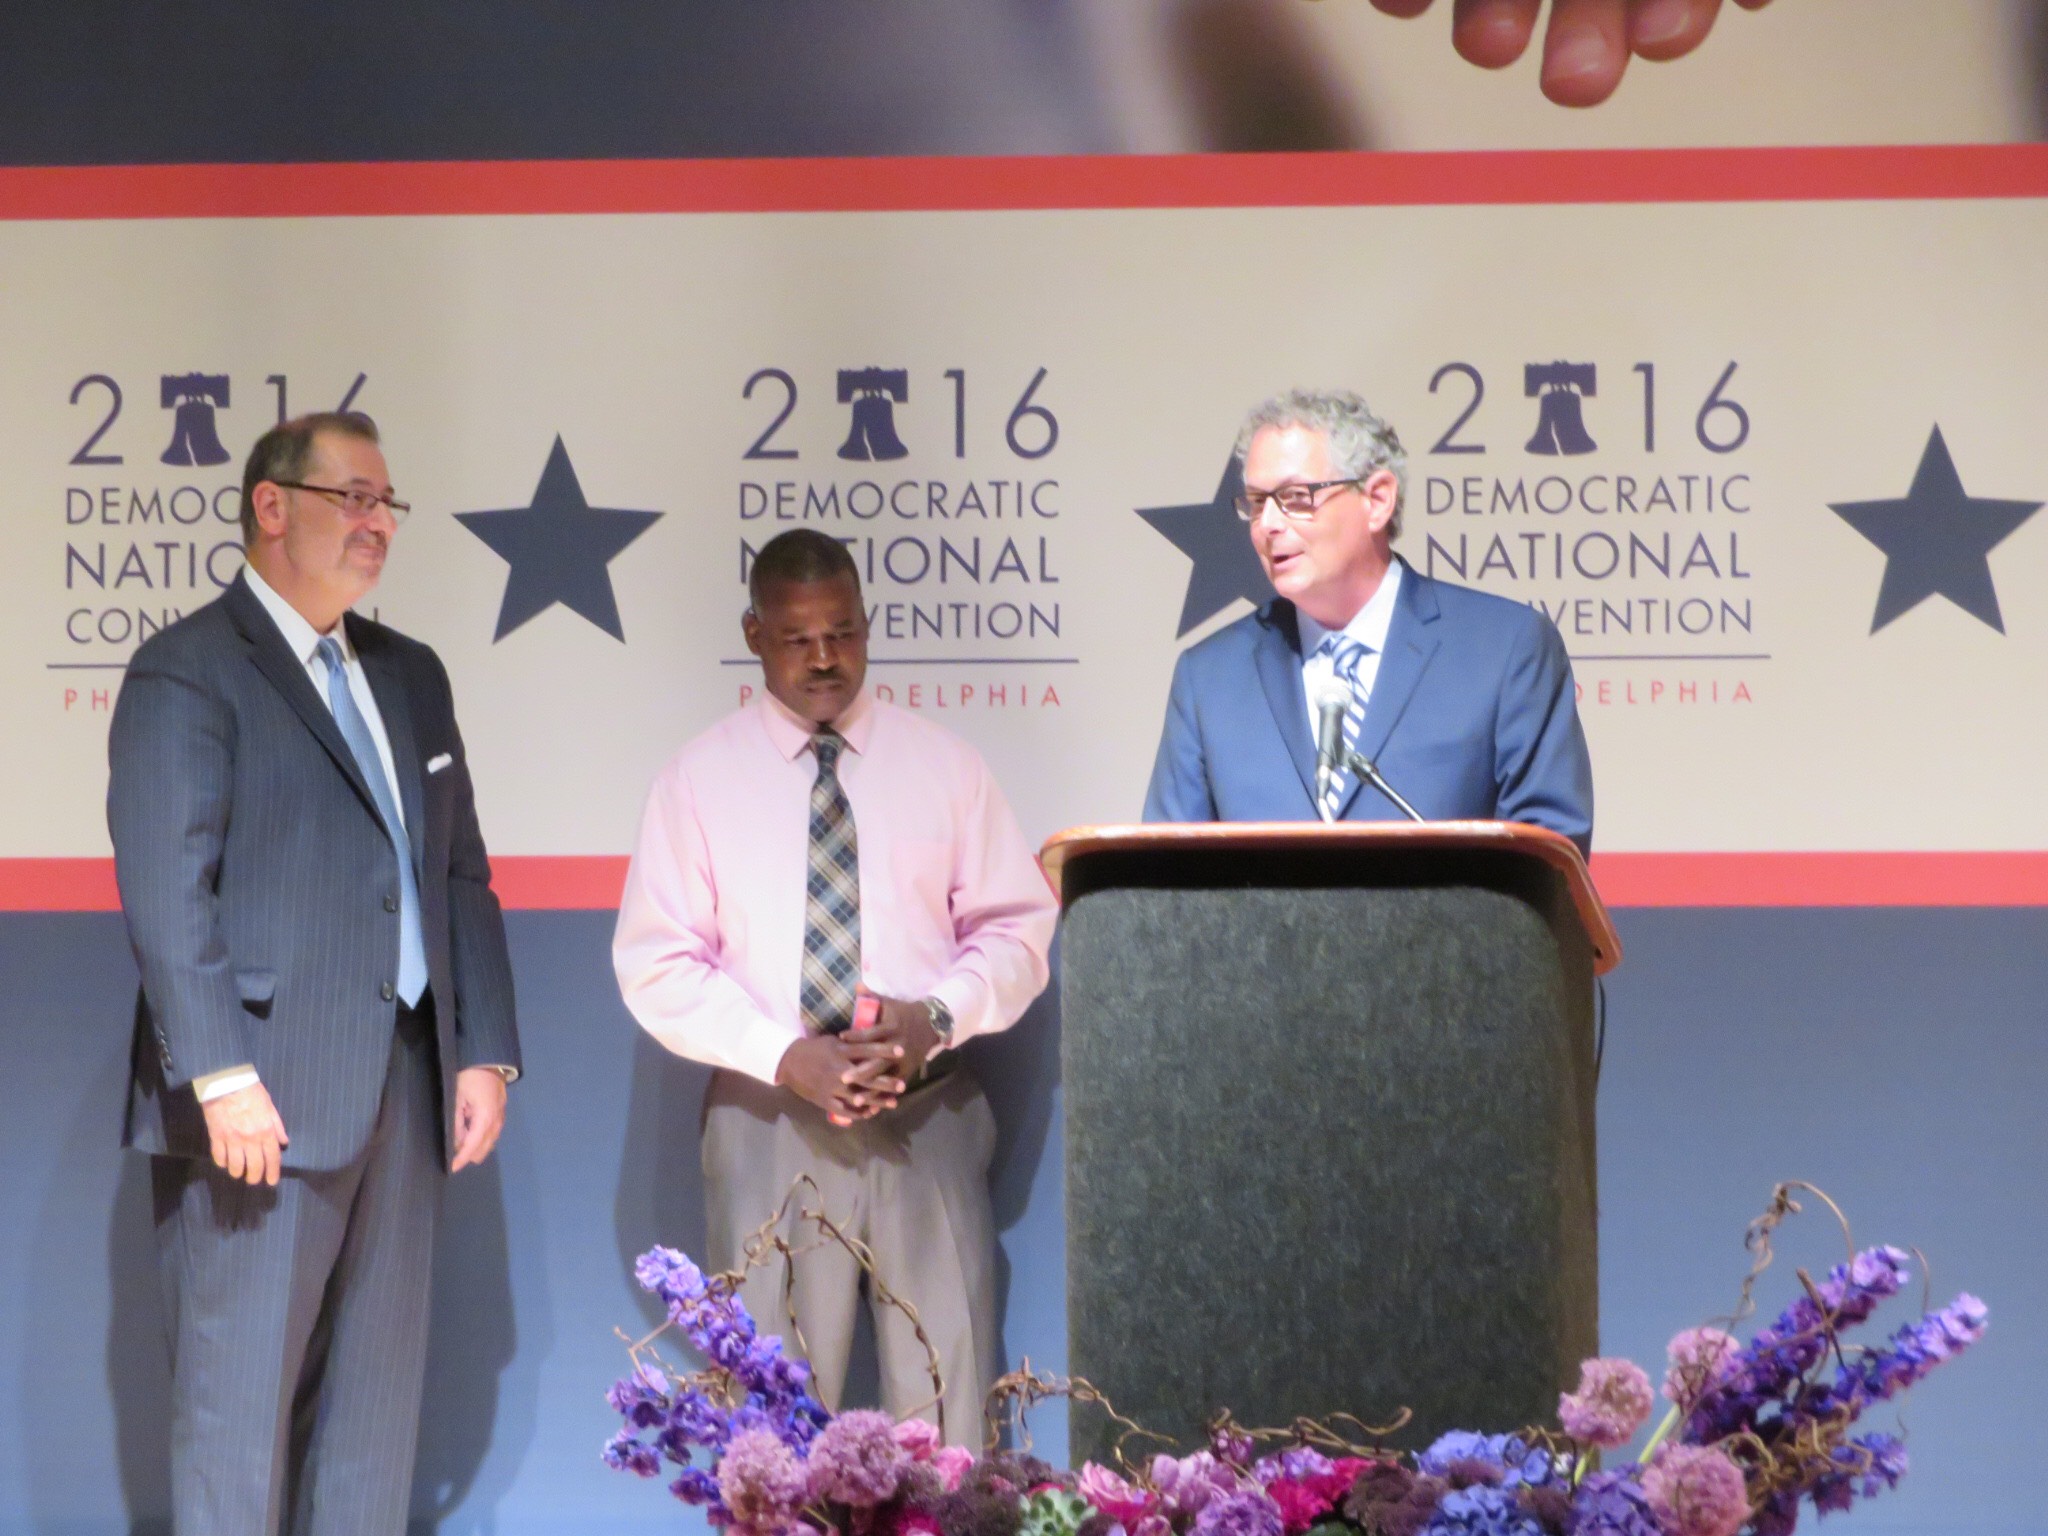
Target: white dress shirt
304, 643
1368, 627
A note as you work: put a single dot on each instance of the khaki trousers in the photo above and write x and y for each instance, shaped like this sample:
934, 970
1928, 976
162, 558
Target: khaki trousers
912, 1184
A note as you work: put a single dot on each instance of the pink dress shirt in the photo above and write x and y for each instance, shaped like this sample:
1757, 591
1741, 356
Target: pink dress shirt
710, 939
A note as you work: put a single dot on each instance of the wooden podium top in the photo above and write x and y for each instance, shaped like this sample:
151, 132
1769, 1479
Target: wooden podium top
1551, 848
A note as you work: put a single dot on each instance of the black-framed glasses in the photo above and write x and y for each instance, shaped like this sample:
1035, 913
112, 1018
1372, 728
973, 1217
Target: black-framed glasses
1300, 502
355, 501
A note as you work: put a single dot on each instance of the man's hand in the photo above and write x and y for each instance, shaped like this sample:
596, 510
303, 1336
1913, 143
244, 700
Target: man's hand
245, 1134
1588, 42
479, 1114
849, 1076
905, 1025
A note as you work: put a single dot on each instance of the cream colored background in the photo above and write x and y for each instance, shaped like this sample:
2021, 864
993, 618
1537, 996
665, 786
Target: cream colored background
1857, 327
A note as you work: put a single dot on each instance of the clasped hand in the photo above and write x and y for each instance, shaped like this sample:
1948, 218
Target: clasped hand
863, 1071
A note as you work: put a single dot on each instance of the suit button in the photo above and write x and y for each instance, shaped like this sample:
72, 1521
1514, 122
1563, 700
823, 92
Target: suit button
390, 903
387, 992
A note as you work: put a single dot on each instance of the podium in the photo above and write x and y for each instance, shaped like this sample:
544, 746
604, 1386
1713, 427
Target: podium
1329, 1123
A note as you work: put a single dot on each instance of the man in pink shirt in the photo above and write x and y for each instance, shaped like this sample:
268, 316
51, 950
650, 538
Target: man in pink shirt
811, 851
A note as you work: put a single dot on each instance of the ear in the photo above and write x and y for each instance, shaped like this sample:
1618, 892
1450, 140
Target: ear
268, 501
750, 627
1382, 492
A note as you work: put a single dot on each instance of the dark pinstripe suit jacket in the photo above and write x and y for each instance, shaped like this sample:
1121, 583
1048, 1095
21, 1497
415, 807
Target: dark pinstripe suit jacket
261, 891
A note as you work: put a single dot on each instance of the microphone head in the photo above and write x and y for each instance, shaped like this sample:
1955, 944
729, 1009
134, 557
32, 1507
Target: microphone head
1331, 694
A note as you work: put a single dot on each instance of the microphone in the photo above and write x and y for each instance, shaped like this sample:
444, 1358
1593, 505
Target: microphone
1332, 699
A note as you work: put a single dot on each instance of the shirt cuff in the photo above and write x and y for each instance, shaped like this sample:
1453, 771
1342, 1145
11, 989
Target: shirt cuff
228, 1080
510, 1074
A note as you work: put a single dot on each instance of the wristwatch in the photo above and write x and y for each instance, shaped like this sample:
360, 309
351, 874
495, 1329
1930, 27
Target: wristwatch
941, 1018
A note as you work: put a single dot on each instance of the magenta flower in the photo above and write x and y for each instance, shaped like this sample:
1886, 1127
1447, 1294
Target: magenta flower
856, 1460
1701, 1359
1695, 1490
1610, 1405
761, 1482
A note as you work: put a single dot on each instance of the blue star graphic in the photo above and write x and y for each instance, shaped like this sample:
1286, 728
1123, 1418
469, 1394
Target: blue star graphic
559, 549
1214, 537
1937, 540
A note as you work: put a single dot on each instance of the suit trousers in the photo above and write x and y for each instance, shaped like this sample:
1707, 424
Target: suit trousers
298, 1323
912, 1184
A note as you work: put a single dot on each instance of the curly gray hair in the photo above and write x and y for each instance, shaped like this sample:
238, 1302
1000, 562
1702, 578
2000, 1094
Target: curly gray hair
1360, 439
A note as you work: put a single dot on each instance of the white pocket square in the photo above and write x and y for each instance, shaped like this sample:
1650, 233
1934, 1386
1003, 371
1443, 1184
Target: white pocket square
436, 764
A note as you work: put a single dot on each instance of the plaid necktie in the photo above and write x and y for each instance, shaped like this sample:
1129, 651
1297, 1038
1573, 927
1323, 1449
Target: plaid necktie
831, 899
1345, 656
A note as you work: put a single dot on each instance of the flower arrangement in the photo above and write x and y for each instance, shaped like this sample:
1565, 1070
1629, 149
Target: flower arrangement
1753, 1432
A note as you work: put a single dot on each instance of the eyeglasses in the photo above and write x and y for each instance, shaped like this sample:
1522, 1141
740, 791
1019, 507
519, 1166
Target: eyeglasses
355, 501
1299, 502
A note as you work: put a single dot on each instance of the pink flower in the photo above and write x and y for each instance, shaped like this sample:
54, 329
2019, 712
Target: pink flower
918, 1438
913, 1522
761, 1482
856, 1459
1701, 1358
1695, 1490
1610, 1405
952, 1462
1114, 1495
1153, 1525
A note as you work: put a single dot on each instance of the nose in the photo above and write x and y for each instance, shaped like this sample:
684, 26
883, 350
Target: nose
383, 518
823, 655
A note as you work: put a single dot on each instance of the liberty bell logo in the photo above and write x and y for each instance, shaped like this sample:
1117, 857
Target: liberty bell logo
1558, 388
874, 394
193, 439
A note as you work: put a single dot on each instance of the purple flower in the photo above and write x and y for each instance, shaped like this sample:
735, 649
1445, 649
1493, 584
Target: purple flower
626, 1453
761, 1482
1612, 1504
1695, 1490
641, 1398
1482, 1511
1610, 1405
1909, 1354
1465, 1453
1189, 1483
1248, 1512
1295, 1463
1235, 1449
1773, 1362
856, 1460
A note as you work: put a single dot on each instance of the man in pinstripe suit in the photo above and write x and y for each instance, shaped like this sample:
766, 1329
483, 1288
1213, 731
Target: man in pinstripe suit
326, 1019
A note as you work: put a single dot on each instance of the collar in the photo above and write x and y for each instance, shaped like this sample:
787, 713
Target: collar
791, 733
1369, 625
298, 633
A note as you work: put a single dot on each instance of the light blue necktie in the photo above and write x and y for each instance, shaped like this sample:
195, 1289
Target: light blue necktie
355, 730
1345, 656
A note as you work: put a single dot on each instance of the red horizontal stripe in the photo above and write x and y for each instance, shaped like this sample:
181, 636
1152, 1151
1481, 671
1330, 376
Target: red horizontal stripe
592, 883
1820, 173
1822, 879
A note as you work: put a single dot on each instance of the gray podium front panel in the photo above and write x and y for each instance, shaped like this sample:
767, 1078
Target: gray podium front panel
1329, 1145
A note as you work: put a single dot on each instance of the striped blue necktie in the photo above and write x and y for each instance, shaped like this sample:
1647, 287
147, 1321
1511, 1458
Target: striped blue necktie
1345, 656
355, 730
831, 968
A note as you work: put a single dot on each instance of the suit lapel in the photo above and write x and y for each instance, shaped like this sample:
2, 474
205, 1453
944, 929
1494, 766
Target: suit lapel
387, 686
1278, 658
1410, 646
287, 674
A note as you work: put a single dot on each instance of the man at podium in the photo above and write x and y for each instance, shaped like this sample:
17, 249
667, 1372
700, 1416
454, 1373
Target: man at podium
1462, 699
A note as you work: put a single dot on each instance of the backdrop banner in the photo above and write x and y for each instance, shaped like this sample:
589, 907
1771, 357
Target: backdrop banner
1769, 466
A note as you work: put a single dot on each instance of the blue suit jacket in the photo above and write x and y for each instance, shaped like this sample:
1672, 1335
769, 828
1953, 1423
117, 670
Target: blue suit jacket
261, 888
1472, 716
